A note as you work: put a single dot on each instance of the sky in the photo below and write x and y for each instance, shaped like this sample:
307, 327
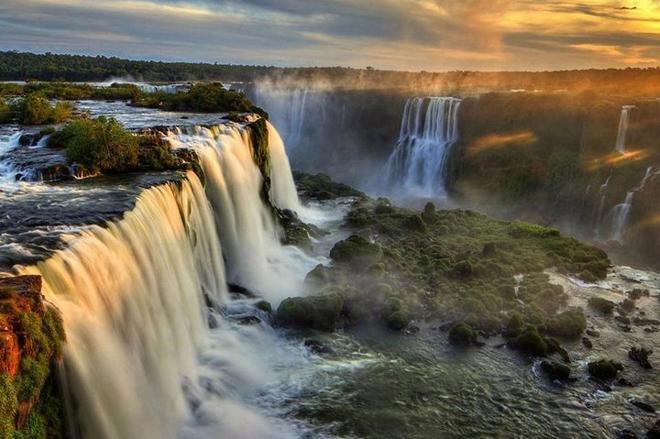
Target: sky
412, 35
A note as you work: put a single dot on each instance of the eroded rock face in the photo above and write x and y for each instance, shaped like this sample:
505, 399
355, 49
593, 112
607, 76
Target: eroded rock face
31, 338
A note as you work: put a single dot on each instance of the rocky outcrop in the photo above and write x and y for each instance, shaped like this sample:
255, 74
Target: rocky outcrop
31, 338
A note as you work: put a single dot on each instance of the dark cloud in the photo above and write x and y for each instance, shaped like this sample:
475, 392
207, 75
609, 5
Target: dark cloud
403, 34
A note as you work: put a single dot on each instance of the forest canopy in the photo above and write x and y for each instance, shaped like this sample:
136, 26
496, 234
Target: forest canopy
49, 67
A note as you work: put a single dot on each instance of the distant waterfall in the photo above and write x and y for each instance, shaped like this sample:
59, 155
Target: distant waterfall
288, 110
429, 128
621, 212
132, 298
624, 121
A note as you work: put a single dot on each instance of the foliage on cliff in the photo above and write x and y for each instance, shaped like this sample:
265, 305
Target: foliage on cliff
35, 109
104, 145
203, 98
31, 342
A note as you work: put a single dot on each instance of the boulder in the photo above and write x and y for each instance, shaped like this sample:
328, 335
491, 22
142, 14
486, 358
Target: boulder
641, 356
556, 371
604, 370
356, 252
320, 312
603, 305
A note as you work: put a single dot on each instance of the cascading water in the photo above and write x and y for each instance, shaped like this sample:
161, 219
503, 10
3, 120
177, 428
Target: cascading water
132, 298
8, 143
288, 108
140, 358
621, 212
249, 234
624, 121
429, 129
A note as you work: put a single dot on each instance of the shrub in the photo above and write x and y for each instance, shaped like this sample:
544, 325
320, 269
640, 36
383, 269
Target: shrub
5, 112
603, 305
101, 144
34, 109
568, 324
462, 335
605, 370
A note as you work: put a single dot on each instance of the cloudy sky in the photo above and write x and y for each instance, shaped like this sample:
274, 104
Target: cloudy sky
434, 35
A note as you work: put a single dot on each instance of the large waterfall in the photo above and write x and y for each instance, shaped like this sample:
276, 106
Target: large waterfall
132, 298
287, 107
624, 121
621, 212
135, 295
418, 164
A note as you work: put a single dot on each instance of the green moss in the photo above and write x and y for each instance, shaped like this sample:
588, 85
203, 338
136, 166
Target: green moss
264, 306
356, 252
317, 312
530, 342
462, 334
604, 369
556, 371
602, 305
568, 324
8, 406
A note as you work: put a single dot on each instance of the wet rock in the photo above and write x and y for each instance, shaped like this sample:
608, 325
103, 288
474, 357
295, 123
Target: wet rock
556, 371
593, 333
648, 408
462, 335
602, 305
624, 382
654, 432
637, 294
213, 321
627, 305
622, 319
652, 330
320, 312
318, 347
356, 252
587, 343
264, 306
646, 322
626, 434
241, 291
605, 370
319, 276
641, 356
248, 320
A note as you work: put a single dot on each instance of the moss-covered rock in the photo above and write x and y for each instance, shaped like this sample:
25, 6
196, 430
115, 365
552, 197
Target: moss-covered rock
604, 370
602, 305
568, 324
356, 252
556, 371
531, 342
264, 306
320, 312
462, 334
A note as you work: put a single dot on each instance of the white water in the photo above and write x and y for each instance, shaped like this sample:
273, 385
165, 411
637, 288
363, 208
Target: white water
8, 143
131, 296
621, 212
288, 109
624, 121
249, 234
429, 128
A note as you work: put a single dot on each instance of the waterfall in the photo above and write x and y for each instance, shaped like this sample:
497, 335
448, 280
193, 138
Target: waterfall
249, 234
288, 109
621, 212
132, 297
7, 144
623, 128
135, 294
429, 128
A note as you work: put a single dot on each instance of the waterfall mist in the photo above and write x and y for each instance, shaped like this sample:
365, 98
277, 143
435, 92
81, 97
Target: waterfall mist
624, 121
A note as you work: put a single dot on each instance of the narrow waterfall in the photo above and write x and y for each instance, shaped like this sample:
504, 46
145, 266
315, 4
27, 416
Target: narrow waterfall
250, 236
429, 128
624, 121
621, 212
132, 296
7, 144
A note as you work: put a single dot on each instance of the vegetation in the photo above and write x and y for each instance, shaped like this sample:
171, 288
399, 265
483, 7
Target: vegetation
29, 407
104, 145
402, 266
34, 109
5, 112
203, 98
604, 370
51, 67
